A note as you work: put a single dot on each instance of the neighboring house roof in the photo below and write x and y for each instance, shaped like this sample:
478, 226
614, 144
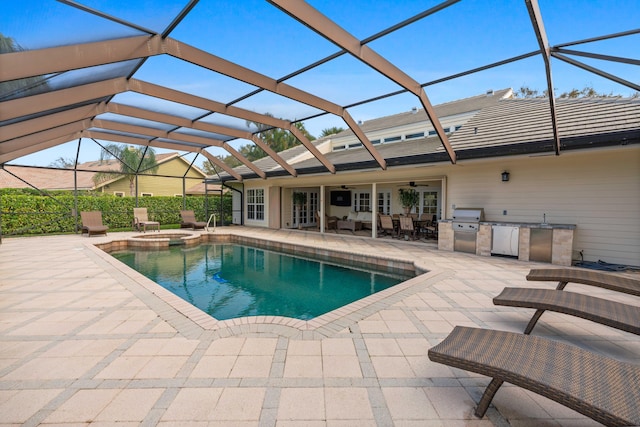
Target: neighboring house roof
44, 178
62, 179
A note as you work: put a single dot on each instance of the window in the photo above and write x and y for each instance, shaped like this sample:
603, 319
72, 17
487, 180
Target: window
432, 132
375, 141
338, 148
362, 202
458, 127
414, 135
255, 204
428, 204
392, 139
308, 210
146, 194
358, 144
384, 202
118, 193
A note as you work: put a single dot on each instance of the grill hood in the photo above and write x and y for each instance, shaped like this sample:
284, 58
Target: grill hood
468, 214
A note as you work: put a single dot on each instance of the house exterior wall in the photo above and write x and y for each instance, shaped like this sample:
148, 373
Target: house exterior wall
158, 185
595, 190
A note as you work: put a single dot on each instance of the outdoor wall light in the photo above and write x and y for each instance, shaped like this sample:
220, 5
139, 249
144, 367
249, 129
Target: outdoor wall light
505, 176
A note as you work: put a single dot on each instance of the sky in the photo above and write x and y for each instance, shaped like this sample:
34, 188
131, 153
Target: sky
257, 35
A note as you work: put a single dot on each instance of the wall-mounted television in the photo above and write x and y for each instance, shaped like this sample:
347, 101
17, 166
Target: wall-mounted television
341, 198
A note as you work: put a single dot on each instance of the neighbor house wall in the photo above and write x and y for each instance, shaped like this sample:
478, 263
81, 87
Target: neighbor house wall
160, 185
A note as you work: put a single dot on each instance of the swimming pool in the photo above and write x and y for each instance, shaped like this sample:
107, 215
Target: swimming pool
232, 280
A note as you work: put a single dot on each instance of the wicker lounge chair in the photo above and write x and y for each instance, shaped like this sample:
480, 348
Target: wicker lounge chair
189, 220
92, 223
614, 282
599, 387
141, 220
615, 314
611, 313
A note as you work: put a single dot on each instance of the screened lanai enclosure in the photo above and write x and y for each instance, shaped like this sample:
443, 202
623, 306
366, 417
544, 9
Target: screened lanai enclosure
207, 80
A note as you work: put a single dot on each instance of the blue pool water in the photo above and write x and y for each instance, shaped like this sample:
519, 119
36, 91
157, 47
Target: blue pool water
229, 281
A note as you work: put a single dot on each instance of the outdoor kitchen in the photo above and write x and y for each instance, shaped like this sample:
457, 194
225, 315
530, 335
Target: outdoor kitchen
468, 232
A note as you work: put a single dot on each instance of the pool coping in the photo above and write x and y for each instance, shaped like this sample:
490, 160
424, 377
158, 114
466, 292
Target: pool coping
325, 325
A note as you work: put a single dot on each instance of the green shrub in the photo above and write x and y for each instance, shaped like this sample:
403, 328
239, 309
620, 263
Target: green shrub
25, 211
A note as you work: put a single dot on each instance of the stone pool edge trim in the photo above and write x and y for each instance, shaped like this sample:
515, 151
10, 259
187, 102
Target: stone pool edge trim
322, 326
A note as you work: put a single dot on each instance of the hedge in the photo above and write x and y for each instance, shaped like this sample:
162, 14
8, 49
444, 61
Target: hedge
23, 213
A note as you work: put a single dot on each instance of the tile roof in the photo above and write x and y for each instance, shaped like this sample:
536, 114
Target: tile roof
388, 151
459, 106
517, 121
62, 179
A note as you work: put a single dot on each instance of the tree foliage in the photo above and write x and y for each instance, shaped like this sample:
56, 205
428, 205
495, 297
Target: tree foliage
132, 160
331, 131
276, 138
19, 87
585, 92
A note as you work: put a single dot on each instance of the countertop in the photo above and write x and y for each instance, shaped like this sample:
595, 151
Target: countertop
549, 226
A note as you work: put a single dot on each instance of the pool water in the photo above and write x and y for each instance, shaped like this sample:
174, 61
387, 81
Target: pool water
229, 280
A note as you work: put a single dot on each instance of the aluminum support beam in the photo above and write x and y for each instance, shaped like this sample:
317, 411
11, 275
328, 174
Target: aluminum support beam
27, 127
319, 23
206, 127
541, 35
152, 133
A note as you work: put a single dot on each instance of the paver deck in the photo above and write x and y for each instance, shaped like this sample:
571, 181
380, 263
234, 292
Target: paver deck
86, 341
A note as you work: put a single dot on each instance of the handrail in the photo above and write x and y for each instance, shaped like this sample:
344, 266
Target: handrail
209, 222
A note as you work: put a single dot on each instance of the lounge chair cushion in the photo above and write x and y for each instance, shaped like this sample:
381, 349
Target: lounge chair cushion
599, 387
353, 216
364, 216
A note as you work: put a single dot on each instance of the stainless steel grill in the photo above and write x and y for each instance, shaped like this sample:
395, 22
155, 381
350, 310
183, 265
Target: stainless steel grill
466, 223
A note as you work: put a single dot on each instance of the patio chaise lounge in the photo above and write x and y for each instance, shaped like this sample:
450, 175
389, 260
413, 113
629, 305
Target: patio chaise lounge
611, 313
597, 386
141, 220
189, 220
92, 223
614, 282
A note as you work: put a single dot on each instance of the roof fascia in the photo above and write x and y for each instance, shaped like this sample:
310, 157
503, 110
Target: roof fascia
319, 23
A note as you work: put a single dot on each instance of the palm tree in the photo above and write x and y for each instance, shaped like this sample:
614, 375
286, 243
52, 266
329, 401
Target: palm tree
331, 131
132, 161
